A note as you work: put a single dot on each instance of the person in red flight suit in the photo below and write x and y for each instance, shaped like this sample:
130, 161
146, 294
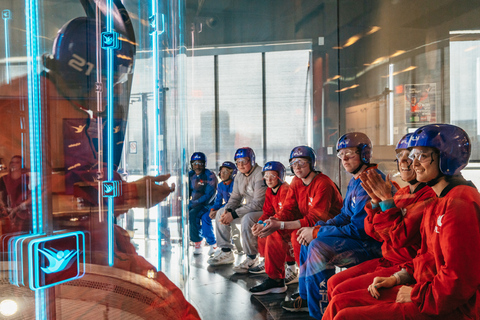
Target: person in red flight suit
392, 221
75, 134
16, 198
277, 248
312, 197
442, 281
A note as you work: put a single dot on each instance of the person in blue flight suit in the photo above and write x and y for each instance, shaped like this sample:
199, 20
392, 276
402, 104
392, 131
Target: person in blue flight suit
340, 241
203, 187
227, 173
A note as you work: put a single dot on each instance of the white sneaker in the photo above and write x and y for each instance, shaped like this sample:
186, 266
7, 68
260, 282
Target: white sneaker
291, 275
212, 249
198, 248
259, 268
220, 257
245, 265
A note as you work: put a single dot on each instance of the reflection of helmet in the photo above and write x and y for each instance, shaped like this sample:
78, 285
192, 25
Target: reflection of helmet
357, 140
304, 152
199, 156
230, 165
403, 143
275, 166
245, 152
452, 143
73, 59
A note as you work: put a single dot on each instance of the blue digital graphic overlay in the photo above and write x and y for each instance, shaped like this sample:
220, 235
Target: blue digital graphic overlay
110, 40
111, 189
40, 261
6, 14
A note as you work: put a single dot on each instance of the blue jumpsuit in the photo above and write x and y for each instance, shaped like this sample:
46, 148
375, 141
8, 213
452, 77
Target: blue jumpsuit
223, 194
341, 241
202, 190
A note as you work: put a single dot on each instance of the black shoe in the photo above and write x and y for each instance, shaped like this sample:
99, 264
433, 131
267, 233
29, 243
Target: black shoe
269, 286
295, 295
297, 305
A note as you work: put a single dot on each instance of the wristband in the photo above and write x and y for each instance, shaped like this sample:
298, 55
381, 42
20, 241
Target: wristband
282, 225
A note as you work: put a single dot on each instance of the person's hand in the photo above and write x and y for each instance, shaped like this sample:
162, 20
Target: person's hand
404, 294
256, 229
305, 235
381, 282
152, 190
366, 186
271, 225
226, 218
381, 188
212, 214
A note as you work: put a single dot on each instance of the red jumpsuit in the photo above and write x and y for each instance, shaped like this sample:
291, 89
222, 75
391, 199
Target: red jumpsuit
446, 268
320, 200
399, 230
273, 204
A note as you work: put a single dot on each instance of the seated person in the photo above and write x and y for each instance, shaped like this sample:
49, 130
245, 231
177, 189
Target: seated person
312, 197
227, 173
395, 222
16, 198
442, 281
340, 241
202, 190
244, 207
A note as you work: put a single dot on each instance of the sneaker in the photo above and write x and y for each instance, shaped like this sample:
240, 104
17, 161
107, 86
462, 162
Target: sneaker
213, 248
221, 257
198, 248
259, 268
297, 305
245, 265
295, 295
291, 275
269, 286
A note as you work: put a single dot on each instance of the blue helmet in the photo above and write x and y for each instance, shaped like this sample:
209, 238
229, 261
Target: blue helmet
452, 143
275, 166
304, 152
229, 165
74, 56
357, 140
199, 156
403, 143
245, 152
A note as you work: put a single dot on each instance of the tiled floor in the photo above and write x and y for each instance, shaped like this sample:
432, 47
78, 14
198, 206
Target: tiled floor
219, 293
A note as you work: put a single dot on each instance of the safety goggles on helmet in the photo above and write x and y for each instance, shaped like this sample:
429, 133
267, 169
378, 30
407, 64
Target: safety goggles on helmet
421, 156
270, 175
347, 154
198, 163
403, 155
242, 161
226, 170
299, 163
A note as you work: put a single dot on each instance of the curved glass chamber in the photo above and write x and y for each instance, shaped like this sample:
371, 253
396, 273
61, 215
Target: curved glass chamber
93, 165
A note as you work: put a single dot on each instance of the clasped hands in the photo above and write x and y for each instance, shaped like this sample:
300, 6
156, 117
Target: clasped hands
403, 294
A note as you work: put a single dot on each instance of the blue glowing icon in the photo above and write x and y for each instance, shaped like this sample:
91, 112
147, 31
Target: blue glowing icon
112, 189
58, 260
110, 40
40, 261
6, 14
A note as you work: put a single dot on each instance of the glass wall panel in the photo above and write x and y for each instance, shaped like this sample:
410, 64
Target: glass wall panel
92, 163
201, 108
240, 99
288, 96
